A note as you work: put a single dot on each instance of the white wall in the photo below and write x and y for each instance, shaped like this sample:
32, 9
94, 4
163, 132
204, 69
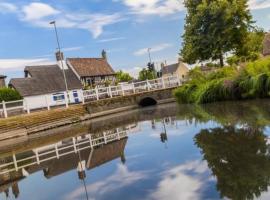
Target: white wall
42, 101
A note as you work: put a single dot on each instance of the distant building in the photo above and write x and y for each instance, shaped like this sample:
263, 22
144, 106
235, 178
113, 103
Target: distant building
2, 81
45, 85
92, 71
178, 69
266, 45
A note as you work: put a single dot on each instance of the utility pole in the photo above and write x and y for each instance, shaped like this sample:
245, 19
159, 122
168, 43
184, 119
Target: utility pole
61, 56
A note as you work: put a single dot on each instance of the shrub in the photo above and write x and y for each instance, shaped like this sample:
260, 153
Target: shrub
8, 94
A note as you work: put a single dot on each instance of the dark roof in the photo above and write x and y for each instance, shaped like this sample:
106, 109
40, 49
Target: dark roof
169, 69
266, 45
3, 76
91, 66
45, 79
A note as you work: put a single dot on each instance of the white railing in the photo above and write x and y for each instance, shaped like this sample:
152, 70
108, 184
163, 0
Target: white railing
123, 89
131, 88
59, 150
5, 107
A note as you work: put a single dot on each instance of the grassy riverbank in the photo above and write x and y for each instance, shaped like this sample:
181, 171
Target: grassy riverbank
228, 83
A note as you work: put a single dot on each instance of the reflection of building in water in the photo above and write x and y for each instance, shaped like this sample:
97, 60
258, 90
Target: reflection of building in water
80, 153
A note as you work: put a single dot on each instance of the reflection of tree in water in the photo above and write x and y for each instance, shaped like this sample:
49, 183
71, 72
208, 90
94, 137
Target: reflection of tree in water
239, 159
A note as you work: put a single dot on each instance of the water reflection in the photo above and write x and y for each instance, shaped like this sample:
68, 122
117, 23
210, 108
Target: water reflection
211, 151
238, 158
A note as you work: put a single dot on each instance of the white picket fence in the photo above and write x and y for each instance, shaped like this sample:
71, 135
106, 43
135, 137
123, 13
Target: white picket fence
123, 89
131, 88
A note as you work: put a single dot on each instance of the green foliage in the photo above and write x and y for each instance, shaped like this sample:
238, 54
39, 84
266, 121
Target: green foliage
251, 48
213, 28
123, 77
227, 83
8, 94
146, 74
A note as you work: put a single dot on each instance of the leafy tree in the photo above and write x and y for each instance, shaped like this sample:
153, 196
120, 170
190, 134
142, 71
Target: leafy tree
214, 27
8, 94
147, 74
123, 77
251, 49
239, 160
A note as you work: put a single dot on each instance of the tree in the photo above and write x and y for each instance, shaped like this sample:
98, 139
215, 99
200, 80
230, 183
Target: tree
123, 77
251, 49
146, 74
214, 27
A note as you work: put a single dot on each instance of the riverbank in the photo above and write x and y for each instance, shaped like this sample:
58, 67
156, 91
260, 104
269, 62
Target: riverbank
250, 81
45, 120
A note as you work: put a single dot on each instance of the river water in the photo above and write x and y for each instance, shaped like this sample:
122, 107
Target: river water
168, 152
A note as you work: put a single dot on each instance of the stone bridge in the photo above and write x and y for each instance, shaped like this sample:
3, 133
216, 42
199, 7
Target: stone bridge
122, 103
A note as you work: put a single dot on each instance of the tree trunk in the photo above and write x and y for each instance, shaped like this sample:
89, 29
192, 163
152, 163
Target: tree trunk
221, 60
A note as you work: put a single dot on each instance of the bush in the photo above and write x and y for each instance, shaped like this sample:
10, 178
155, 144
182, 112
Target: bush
8, 94
227, 83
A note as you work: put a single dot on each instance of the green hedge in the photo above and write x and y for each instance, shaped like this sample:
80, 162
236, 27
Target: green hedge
8, 94
228, 83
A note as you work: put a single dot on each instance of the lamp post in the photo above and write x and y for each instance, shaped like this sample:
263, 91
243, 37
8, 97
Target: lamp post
61, 57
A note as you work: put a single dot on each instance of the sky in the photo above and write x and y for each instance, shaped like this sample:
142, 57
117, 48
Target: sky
124, 28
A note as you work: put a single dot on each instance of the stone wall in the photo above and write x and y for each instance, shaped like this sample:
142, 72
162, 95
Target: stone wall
128, 101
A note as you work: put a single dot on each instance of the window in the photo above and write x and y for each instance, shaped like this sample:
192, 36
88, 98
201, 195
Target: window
58, 97
75, 94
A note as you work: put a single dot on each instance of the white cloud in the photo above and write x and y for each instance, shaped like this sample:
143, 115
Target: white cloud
121, 178
259, 4
111, 39
18, 64
156, 48
154, 7
7, 8
36, 11
71, 49
40, 14
177, 184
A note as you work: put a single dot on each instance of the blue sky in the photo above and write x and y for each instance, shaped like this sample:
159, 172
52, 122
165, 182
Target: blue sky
125, 28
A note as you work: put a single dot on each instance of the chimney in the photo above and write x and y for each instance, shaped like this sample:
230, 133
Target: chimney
2, 81
60, 60
104, 54
162, 65
59, 56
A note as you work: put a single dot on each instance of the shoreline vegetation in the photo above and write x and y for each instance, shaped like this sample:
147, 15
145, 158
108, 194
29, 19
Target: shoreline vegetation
250, 81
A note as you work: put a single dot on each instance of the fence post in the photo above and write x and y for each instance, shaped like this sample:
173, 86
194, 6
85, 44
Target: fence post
133, 87
27, 107
162, 82
66, 99
123, 91
110, 91
97, 94
147, 83
82, 96
4, 109
47, 102
178, 80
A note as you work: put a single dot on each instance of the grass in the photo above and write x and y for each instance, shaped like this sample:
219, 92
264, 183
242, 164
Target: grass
228, 83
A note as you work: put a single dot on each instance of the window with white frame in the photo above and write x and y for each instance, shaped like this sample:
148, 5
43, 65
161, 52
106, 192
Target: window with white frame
59, 97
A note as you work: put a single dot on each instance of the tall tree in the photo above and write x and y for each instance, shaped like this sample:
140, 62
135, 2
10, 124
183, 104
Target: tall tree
123, 76
214, 27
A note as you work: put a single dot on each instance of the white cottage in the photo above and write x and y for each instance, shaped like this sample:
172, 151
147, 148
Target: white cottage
44, 86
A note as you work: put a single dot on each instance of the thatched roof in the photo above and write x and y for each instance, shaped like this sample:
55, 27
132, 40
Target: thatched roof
45, 79
266, 45
89, 67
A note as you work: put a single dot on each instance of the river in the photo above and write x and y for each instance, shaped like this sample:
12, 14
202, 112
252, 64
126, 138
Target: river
167, 152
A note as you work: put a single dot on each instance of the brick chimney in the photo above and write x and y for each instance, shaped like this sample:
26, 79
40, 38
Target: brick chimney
2, 81
60, 59
104, 54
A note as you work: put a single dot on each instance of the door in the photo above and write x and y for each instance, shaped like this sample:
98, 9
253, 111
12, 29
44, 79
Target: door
76, 97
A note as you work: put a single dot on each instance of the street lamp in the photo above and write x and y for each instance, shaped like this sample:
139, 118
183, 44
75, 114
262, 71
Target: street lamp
61, 57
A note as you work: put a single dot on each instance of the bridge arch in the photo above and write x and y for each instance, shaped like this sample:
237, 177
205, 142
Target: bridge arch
147, 101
